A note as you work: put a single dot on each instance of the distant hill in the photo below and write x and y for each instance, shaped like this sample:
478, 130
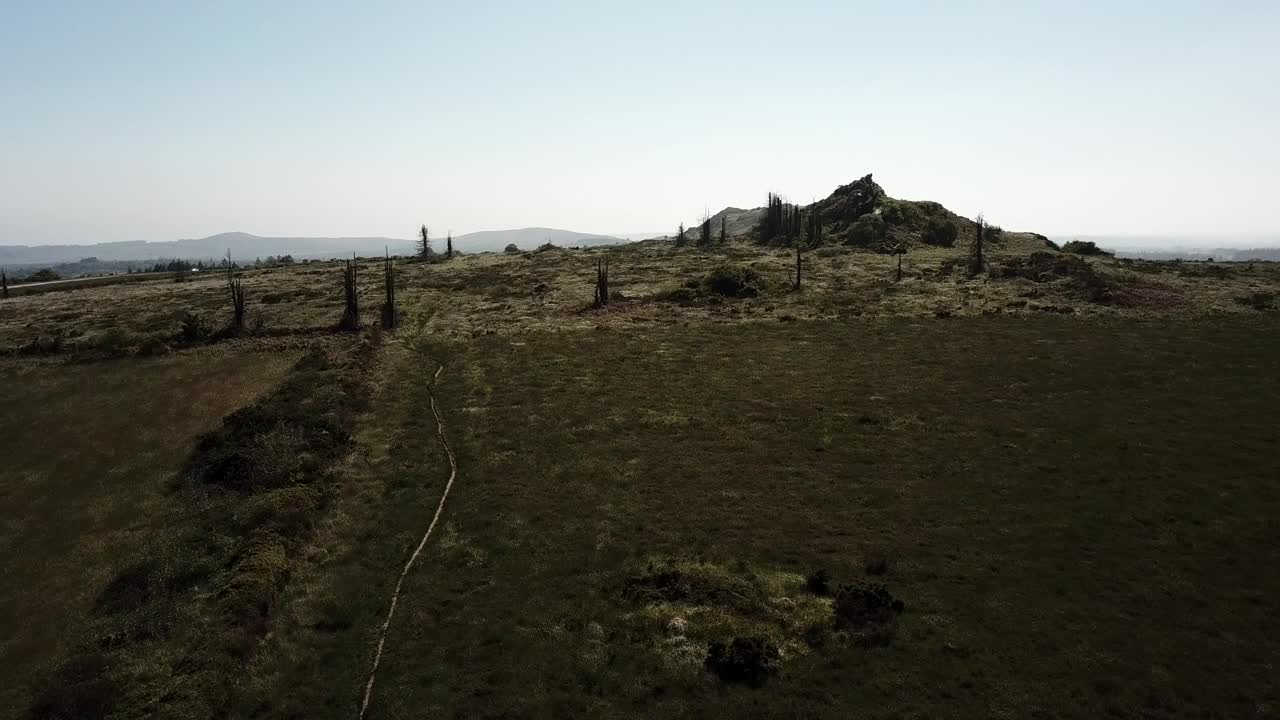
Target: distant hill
246, 247
526, 239
243, 246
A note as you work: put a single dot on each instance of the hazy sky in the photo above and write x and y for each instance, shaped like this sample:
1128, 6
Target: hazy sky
156, 120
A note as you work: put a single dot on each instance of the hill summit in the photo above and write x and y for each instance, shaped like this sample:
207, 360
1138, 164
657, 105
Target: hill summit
861, 214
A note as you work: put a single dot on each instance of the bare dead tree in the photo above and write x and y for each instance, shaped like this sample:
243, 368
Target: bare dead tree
602, 283
899, 250
978, 262
237, 297
798, 263
448, 251
389, 312
4, 284
351, 307
722, 229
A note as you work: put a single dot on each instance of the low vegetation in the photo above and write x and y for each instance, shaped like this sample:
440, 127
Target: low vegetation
192, 606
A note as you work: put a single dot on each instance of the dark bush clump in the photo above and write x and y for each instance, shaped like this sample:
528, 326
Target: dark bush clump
819, 582
1083, 247
748, 661
81, 688
1259, 300
671, 584
43, 345
941, 232
877, 566
733, 281
193, 328
1043, 267
511, 248
867, 231
45, 275
860, 606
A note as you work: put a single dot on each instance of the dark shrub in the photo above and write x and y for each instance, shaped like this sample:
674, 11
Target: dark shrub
112, 341
81, 688
819, 582
898, 212
1087, 247
867, 231
43, 345
696, 585
942, 233
747, 660
511, 248
1259, 300
193, 327
859, 606
1044, 267
877, 566
45, 275
733, 281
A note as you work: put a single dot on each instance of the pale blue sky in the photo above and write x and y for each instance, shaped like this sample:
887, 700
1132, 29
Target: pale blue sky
152, 120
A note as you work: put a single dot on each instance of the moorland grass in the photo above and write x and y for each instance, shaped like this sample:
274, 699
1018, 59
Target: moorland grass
172, 629
87, 453
1076, 517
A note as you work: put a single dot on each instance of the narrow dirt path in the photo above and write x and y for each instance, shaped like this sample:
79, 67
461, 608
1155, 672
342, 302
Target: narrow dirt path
395, 596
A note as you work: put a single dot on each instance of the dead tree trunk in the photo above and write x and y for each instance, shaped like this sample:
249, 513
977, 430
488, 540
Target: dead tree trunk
978, 262
798, 263
602, 283
4, 285
389, 313
351, 308
237, 297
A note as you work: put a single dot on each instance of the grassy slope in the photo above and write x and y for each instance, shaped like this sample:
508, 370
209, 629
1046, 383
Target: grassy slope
1078, 517
87, 452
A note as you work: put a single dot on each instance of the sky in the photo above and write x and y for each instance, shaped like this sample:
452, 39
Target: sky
160, 120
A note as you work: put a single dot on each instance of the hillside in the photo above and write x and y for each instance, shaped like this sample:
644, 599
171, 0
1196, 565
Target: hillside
861, 214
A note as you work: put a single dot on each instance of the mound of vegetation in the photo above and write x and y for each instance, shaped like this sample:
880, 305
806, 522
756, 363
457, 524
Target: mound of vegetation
1260, 300
1045, 267
692, 584
857, 606
191, 608
748, 661
726, 281
1084, 247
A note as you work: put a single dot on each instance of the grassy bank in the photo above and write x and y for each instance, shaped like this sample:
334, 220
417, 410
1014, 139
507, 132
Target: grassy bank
87, 453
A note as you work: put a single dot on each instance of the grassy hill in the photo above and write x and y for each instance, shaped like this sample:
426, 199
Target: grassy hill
862, 215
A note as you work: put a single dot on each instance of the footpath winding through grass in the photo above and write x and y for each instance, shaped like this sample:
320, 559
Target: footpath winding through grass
1077, 515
